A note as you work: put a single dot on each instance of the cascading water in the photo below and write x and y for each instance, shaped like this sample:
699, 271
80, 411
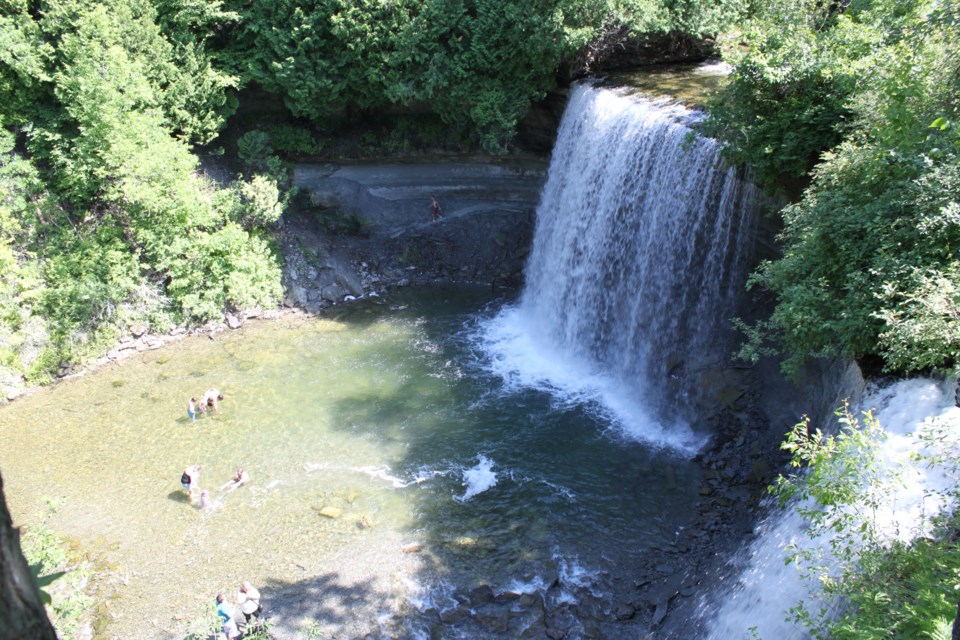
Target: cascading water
638, 254
758, 604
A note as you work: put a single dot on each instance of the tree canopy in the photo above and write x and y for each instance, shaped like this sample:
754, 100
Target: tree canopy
859, 100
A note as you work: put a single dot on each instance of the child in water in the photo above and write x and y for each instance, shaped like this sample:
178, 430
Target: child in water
240, 478
192, 408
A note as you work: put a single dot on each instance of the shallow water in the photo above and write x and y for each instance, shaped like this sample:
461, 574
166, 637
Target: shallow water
386, 410
691, 84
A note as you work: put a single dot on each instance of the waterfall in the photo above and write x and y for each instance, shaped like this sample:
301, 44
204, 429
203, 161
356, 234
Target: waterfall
757, 605
638, 254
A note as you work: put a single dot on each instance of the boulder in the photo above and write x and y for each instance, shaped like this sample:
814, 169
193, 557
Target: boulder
330, 512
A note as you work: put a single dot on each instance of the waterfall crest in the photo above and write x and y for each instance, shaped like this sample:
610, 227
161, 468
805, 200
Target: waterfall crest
638, 253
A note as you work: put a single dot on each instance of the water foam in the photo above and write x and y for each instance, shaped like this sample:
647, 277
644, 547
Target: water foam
478, 478
768, 588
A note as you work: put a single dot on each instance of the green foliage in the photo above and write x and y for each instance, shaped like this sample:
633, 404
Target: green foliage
869, 251
786, 103
477, 64
887, 588
254, 147
60, 574
294, 140
105, 221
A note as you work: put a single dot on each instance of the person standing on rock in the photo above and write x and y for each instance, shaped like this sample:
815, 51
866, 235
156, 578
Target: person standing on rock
435, 211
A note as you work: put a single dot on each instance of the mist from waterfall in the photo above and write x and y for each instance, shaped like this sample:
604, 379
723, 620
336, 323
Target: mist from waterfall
638, 254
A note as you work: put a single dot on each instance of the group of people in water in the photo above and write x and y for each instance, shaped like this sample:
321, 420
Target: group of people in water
210, 402
190, 481
248, 602
248, 597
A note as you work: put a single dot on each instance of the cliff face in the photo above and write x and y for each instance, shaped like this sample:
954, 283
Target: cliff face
361, 228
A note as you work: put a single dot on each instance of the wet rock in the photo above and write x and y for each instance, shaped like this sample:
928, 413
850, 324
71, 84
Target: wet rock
233, 321
413, 547
139, 330
297, 296
626, 612
365, 522
481, 595
660, 612
350, 282
455, 615
332, 293
506, 596
494, 620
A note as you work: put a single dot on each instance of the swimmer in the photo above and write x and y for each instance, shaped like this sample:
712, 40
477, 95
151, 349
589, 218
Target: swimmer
239, 479
211, 398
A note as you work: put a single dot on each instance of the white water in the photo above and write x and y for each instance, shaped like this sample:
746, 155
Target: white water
637, 256
767, 588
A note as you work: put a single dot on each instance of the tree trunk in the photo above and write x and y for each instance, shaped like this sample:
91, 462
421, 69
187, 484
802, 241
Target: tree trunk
22, 616
956, 625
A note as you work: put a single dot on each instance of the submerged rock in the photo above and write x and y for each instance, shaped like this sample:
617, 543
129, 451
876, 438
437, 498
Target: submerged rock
330, 512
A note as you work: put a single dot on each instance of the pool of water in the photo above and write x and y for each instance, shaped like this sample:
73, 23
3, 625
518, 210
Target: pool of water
385, 411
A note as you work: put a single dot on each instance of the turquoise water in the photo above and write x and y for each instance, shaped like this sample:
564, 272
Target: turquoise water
387, 412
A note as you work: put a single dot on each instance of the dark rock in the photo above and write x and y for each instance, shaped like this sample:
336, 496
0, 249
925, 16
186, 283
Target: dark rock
660, 612
332, 293
495, 620
626, 612
482, 595
454, 615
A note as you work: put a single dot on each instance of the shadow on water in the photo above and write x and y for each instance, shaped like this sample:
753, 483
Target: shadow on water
178, 496
325, 597
531, 515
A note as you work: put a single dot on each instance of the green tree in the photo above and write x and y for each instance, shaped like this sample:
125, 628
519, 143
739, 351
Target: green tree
119, 226
872, 242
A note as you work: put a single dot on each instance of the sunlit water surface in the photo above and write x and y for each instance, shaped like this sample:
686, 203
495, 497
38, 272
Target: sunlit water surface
386, 410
